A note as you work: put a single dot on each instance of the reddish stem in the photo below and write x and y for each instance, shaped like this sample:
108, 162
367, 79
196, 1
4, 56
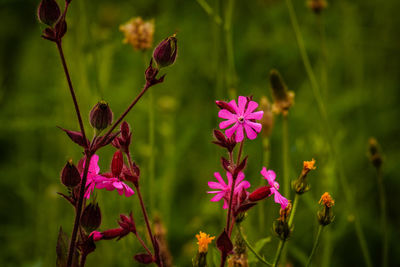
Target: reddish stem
78, 210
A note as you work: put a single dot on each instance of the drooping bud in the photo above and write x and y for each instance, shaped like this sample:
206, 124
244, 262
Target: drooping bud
165, 52
48, 12
260, 193
374, 155
281, 226
325, 215
283, 99
267, 120
117, 163
91, 217
101, 116
70, 176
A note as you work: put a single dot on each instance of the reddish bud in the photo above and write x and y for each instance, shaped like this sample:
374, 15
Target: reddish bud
226, 164
260, 193
241, 166
76, 137
165, 53
143, 258
125, 131
224, 105
117, 163
91, 217
48, 12
151, 75
127, 223
60, 28
70, 176
101, 116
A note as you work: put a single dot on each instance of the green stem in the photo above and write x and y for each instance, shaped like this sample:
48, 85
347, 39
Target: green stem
294, 207
384, 227
278, 253
285, 159
316, 242
230, 60
258, 256
206, 7
317, 94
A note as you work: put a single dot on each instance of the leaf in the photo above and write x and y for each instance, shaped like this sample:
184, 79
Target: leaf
258, 247
62, 248
224, 243
76, 137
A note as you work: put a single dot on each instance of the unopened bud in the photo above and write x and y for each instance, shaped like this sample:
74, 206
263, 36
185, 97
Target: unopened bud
165, 52
91, 217
325, 215
374, 155
101, 116
70, 176
283, 99
281, 226
48, 12
117, 163
300, 185
260, 193
317, 5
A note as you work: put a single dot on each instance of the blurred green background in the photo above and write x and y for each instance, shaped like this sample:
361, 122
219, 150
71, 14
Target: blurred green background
361, 92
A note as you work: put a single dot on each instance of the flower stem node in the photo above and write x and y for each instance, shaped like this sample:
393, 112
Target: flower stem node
165, 52
70, 176
325, 216
91, 217
101, 116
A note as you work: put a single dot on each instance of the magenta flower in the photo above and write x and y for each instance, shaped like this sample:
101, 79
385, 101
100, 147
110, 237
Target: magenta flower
224, 190
93, 176
270, 176
97, 236
113, 183
242, 117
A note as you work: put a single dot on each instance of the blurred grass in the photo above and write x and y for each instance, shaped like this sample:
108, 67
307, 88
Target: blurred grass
362, 96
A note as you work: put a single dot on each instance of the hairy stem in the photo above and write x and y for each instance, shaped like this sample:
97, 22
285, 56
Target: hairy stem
278, 253
78, 212
316, 242
258, 256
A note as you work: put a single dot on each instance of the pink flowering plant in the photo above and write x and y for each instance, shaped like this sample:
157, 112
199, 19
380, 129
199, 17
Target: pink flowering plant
84, 180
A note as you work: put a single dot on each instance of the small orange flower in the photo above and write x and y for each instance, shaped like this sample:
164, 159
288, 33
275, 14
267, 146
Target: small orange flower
138, 33
327, 200
309, 165
203, 241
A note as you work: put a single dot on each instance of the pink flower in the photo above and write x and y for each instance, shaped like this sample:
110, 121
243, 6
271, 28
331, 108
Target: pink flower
97, 236
242, 117
113, 183
270, 177
224, 190
93, 174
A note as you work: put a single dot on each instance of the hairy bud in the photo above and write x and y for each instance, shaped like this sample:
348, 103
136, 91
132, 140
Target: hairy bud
101, 116
48, 12
91, 217
165, 53
70, 176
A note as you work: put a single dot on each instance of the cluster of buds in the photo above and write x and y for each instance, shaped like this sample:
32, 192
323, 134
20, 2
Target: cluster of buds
283, 98
49, 13
281, 225
138, 33
317, 5
123, 141
222, 141
374, 154
127, 225
325, 215
203, 240
300, 185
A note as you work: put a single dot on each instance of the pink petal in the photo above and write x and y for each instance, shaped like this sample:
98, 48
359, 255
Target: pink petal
225, 124
226, 205
219, 178
213, 192
243, 184
251, 107
256, 126
254, 116
217, 197
93, 165
251, 134
120, 191
269, 175
278, 198
239, 133
215, 185
128, 191
231, 130
118, 185
240, 177
229, 176
234, 106
242, 104
225, 114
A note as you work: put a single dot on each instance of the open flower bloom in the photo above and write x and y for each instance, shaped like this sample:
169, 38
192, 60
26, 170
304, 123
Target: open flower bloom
224, 190
93, 175
203, 241
242, 116
270, 176
113, 183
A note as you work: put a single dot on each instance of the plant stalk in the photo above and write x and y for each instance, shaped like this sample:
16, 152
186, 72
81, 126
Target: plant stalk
258, 256
316, 242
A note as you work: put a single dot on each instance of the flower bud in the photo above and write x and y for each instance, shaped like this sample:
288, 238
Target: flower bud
260, 193
70, 176
283, 99
165, 53
281, 226
374, 155
48, 12
317, 5
117, 163
91, 217
300, 185
101, 116
325, 215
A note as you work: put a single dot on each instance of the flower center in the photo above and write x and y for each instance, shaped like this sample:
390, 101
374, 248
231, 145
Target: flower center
240, 119
276, 185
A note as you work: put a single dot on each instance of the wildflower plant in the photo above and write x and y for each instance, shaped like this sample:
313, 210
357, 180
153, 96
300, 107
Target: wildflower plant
83, 180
